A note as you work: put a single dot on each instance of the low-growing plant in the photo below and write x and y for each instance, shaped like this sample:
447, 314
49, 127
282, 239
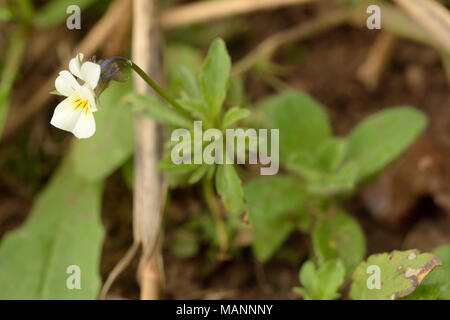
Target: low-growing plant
319, 171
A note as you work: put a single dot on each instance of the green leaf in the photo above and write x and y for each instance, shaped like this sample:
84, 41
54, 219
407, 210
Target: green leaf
382, 137
190, 83
167, 165
331, 154
302, 122
302, 163
54, 12
196, 107
229, 187
437, 283
185, 174
214, 76
443, 273
203, 227
400, 272
56, 93
236, 92
63, 229
113, 143
198, 174
324, 170
233, 115
322, 283
339, 182
25, 11
12, 62
153, 108
178, 179
182, 63
275, 206
429, 288
338, 236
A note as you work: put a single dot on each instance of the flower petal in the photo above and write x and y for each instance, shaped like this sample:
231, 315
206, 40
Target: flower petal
87, 94
64, 116
79, 121
66, 83
90, 73
75, 65
85, 127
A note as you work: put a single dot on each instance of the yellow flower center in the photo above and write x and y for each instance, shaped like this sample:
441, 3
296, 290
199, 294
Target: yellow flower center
82, 104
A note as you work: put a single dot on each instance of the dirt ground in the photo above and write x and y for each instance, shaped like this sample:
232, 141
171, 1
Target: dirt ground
416, 213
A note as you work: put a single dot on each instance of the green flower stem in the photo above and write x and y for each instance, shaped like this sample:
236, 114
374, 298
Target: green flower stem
147, 79
211, 201
155, 86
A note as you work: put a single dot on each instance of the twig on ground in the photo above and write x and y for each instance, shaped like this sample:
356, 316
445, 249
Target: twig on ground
150, 186
432, 16
300, 32
117, 270
202, 11
369, 73
399, 23
275, 83
393, 20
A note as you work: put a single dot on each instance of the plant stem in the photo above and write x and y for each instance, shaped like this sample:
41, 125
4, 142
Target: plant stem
156, 87
211, 201
147, 79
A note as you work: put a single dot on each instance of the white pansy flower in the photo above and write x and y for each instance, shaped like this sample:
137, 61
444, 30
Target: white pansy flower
75, 113
87, 71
